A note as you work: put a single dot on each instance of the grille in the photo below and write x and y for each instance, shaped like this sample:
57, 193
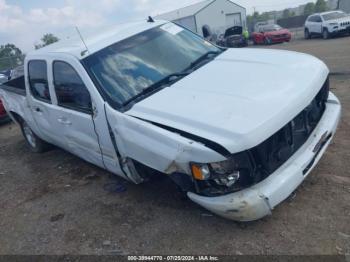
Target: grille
260, 162
345, 23
275, 151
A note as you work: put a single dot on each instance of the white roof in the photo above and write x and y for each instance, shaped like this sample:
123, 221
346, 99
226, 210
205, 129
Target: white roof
190, 10
185, 11
97, 40
328, 12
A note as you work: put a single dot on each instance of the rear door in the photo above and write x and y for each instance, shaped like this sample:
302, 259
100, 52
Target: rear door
40, 100
318, 24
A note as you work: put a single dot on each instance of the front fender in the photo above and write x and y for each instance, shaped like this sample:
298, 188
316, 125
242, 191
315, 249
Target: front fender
155, 147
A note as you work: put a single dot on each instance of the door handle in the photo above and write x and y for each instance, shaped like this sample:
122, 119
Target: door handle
64, 121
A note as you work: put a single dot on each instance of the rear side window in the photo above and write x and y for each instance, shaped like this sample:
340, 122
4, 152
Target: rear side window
37, 76
70, 90
311, 19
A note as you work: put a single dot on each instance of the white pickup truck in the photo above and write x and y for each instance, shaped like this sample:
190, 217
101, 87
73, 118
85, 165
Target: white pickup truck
237, 130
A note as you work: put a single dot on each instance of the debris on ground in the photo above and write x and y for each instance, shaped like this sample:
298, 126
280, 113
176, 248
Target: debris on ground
57, 217
115, 187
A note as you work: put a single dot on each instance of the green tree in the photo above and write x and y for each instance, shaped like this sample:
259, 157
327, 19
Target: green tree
286, 13
10, 56
321, 6
46, 40
309, 9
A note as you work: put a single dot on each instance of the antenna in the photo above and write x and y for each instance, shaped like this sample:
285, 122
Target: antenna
82, 39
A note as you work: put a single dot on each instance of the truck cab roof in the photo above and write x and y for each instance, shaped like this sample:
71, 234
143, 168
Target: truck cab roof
95, 41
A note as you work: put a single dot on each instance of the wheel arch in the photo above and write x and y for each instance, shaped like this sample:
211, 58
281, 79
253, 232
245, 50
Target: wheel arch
16, 117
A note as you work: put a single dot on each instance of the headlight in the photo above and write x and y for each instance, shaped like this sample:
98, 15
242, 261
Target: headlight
223, 168
200, 172
333, 24
223, 177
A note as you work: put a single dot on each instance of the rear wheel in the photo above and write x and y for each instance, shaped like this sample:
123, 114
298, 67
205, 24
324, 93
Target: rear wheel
34, 143
307, 34
325, 33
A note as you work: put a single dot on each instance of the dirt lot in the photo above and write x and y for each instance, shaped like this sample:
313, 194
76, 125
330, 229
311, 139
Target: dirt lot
56, 203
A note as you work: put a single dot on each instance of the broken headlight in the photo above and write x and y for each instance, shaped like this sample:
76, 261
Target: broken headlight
224, 177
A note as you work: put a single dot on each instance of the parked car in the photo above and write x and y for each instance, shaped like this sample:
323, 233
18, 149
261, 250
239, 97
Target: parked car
3, 115
3, 78
271, 34
327, 24
260, 24
233, 37
17, 72
159, 99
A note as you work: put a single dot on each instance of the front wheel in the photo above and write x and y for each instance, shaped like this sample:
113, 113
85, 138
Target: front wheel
34, 143
325, 33
267, 41
307, 34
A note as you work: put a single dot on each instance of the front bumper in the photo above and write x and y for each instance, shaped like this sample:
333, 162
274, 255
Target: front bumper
280, 40
259, 200
340, 30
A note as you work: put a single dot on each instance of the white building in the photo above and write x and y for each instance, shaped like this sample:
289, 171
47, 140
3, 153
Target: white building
217, 14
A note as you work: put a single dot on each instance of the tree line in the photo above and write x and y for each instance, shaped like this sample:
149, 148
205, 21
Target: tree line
310, 8
11, 56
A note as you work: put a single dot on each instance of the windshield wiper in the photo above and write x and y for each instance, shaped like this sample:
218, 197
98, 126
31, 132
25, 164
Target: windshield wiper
169, 79
202, 58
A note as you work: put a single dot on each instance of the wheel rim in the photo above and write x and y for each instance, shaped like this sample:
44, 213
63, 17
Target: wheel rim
29, 135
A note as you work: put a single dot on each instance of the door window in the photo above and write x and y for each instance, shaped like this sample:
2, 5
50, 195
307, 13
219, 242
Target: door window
318, 19
37, 76
70, 90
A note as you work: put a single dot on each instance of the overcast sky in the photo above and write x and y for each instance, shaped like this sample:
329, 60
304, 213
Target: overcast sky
23, 22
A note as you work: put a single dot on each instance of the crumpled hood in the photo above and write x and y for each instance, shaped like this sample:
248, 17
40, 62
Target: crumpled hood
239, 99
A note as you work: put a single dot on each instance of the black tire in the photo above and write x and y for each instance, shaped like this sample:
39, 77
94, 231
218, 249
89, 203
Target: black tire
5, 120
35, 144
325, 33
307, 34
267, 41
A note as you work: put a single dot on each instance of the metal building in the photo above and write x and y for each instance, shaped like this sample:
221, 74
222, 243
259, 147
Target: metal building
218, 15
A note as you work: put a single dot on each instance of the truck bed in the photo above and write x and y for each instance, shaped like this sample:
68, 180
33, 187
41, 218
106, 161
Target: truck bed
16, 85
13, 96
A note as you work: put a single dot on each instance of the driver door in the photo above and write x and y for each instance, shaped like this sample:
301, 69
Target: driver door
72, 114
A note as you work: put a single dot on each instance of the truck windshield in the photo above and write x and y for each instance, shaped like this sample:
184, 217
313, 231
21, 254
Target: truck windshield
127, 69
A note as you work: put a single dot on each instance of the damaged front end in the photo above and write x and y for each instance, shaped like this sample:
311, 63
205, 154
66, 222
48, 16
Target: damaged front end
274, 169
248, 168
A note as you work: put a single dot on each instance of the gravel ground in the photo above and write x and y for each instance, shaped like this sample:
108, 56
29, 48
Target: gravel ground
55, 203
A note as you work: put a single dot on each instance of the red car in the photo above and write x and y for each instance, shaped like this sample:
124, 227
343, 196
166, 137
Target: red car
270, 34
3, 115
